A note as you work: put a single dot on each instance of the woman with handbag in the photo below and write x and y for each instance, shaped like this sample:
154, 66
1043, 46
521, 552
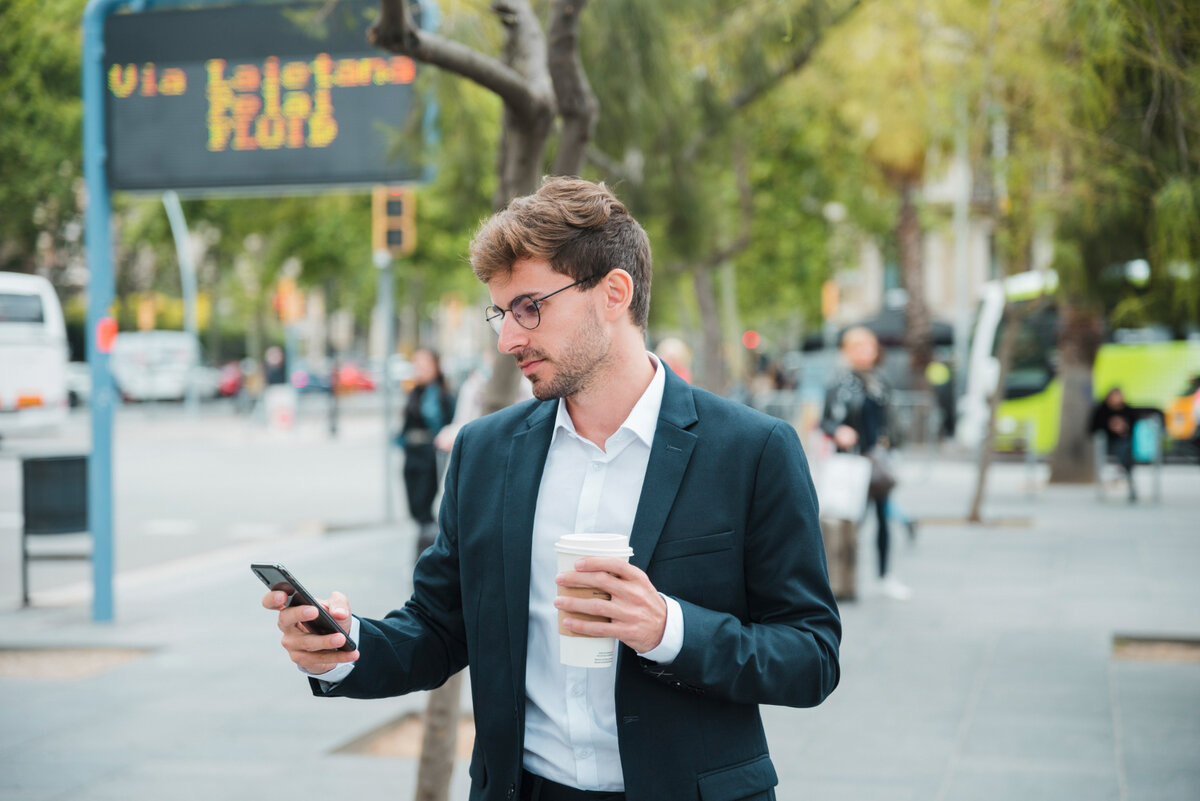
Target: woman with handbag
430, 406
856, 417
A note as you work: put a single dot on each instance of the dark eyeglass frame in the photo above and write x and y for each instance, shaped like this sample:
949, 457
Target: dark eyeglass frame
495, 315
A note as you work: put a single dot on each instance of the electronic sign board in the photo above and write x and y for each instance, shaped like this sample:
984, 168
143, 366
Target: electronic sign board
252, 96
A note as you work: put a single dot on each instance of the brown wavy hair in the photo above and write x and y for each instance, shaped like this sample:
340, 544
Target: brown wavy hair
579, 227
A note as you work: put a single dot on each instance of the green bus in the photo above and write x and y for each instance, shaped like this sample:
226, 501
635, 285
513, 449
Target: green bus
1153, 374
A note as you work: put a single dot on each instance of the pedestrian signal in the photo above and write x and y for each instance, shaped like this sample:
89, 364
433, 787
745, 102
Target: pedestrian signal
394, 220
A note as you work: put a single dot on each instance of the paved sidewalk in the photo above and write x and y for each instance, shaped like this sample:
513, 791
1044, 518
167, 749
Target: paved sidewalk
996, 681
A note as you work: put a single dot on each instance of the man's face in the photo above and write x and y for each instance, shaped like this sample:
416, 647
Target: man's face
562, 356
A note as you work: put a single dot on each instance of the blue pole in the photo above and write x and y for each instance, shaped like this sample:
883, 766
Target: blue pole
101, 290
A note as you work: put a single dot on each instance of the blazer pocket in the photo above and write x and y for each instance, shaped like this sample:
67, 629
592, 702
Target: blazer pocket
693, 546
751, 779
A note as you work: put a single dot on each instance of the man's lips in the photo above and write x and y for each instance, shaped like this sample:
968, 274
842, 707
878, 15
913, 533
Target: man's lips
529, 366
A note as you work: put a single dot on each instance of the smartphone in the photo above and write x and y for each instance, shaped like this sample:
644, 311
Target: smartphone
276, 577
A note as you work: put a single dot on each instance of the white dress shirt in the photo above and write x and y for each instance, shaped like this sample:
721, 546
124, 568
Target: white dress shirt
570, 712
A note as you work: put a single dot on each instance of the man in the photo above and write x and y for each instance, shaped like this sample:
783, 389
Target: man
724, 605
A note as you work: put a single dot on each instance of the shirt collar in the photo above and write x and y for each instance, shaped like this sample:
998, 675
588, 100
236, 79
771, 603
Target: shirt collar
643, 418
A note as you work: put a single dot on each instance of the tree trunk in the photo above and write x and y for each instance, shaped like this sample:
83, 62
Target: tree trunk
519, 162
440, 741
739, 367
527, 81
918, 336
523, 138
577, 103
1079, 339
537, 81
1004, 354
713, 372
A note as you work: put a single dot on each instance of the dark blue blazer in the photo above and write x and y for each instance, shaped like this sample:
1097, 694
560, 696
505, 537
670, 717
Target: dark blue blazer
726, 524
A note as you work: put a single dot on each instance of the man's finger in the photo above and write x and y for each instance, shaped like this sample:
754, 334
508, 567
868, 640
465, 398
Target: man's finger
606, 564
322, 661
338, 605
274, 599
600, 580
292, 616
295, 641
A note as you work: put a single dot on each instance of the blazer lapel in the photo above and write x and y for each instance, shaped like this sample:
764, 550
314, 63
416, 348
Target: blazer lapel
669, 457
526, 460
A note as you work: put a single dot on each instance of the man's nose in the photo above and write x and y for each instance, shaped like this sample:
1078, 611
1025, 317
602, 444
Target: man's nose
513, 337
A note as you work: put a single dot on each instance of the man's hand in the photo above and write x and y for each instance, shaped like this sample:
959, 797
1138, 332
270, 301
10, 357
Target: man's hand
315, 653
637, 614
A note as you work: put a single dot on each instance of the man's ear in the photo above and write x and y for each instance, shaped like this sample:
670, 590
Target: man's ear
617, 291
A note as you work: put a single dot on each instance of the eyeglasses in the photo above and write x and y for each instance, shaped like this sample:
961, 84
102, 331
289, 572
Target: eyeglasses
527, 311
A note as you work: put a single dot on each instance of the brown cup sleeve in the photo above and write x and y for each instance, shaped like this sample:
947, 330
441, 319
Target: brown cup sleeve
580, 592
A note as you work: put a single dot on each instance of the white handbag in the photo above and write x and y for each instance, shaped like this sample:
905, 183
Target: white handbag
843, 480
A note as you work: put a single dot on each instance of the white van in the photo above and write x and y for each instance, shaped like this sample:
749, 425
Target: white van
154, 365
33, 356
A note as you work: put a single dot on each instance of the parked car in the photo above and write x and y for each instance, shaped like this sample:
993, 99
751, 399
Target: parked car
305, 379
229, 380
351, 377
155, 365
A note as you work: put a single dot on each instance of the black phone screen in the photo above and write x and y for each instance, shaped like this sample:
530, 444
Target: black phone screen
276, 577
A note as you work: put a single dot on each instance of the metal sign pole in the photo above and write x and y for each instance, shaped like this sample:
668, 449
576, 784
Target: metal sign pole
101, 291
387, 311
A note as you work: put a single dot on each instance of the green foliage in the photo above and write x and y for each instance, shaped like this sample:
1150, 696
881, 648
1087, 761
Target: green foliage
40, 132
1100, 98
1176, 245
692, 108
1135, 154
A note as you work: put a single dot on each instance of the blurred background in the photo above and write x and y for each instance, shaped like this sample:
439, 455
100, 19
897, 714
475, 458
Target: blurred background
800, 167
1006, 192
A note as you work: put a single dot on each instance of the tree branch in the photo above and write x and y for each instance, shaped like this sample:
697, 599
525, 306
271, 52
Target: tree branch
524, 131
629, 171
577, 103
745, 237
397, 32
749, 94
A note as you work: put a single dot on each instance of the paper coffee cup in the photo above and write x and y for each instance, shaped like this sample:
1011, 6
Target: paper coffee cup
578, 650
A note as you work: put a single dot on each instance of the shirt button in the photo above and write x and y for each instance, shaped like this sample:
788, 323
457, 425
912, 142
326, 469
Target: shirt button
596, 465
576, 690
583, 753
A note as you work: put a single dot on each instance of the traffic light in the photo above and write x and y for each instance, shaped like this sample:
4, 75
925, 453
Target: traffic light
394, 220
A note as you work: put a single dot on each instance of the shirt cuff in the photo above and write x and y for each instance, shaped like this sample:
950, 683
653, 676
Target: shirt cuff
672, 641
338, 674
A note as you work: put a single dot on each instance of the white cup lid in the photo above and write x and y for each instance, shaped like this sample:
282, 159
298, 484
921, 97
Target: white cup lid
594, 545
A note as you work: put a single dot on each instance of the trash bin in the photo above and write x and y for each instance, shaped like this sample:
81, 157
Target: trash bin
53, 501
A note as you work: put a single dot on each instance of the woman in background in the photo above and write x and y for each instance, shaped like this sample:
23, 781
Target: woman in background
430, 406
856, 417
